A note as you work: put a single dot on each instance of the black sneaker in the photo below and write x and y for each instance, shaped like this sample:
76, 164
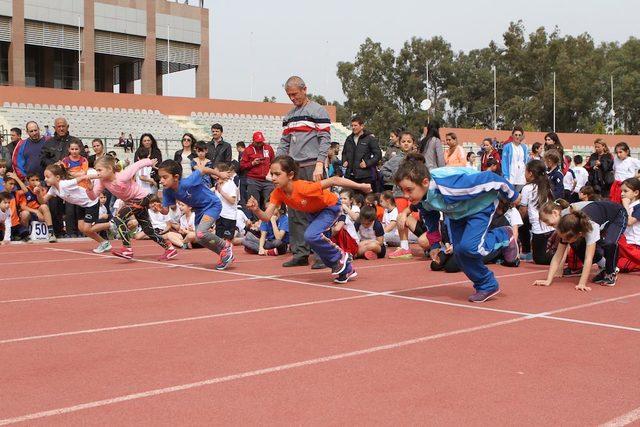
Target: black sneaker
599, 278
567, 272
348, 274
482, 296
609, 280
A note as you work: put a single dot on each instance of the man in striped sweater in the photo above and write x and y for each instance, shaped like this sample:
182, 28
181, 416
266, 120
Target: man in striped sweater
306, 137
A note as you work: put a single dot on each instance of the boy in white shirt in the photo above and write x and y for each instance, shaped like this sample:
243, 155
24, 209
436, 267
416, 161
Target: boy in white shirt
575, 178
229, 194
5, 218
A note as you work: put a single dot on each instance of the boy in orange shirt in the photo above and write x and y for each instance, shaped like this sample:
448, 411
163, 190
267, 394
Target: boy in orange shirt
322, 206
30, 208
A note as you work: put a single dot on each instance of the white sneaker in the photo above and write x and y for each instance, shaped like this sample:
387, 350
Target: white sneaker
103, 247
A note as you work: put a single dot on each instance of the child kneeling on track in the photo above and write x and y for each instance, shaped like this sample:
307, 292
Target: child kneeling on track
629, 244
593, 230
87, 209
274, 236
322, 206
193, 192
135, 199
468, 199
371, 234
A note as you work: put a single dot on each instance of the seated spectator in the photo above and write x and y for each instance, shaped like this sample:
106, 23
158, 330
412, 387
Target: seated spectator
187, 226
274, 236
371, 234
18, 232
163, 223
390, 219
343, 232
5, 218
29, 207
3, 173
373, 200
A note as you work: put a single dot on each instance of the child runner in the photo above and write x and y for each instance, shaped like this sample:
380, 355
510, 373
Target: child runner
593, 230
467, 199
193, 192
322, 206
624, 167
136, 202
87, 209
629, 259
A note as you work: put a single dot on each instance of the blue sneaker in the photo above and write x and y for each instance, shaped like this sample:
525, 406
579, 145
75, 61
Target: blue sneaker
339, 268
348, 274
482, 296
226, 257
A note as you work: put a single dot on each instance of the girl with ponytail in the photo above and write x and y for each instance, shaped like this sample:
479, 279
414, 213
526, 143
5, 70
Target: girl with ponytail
592, 230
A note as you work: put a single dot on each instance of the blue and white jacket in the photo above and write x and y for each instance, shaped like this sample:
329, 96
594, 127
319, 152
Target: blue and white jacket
507, 157
461, 192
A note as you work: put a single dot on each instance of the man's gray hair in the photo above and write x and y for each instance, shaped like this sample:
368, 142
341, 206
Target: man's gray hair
61, 119
295, 81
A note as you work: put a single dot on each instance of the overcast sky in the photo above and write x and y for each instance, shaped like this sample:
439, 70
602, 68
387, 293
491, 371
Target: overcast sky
267, 41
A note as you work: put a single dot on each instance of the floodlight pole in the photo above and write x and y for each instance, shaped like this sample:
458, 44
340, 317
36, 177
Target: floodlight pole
495, 98
613, 112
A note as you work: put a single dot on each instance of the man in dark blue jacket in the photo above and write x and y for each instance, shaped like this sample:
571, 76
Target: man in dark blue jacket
361, 154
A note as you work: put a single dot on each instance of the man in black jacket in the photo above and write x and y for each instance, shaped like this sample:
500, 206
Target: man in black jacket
219, 150
361, 154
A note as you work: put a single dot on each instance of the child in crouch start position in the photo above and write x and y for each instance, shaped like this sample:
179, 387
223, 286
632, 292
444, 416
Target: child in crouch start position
136, 202
322, 206
194, 192
468, 199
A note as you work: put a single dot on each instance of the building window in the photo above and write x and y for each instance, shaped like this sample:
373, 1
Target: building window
4, 63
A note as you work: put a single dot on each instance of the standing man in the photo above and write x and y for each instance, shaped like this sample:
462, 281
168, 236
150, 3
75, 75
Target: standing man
361, 153
255, 164
28, 152
218, 150
56, 149
306, 137
15, 135
514, 159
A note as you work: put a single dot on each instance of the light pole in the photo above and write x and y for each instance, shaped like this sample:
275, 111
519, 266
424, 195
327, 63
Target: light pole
613, 112
495, 98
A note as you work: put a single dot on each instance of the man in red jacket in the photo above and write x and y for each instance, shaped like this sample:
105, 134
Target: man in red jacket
256, 161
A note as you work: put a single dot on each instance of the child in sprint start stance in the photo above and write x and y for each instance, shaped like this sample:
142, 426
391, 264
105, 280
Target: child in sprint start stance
194, 192
322, 206
136, 202
468, 199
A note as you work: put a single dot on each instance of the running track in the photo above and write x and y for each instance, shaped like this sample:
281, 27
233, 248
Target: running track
94, 340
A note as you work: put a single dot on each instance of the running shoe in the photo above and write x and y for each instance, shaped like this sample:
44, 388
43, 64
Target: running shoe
401, 254
511, 252
349, 273
482, 296
52, 238
598, 278
103, 247
226, 257
370, 255
123, 252
568, 272
168, 254
609, 279
339, 268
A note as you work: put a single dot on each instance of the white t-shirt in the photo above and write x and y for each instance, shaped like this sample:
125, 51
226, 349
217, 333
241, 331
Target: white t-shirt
229, 210
5, 218
529, 199
517, 165
147, 187
387, 218
625, 169
349, 224
514, 217
632, 232
241, 220
158, 219
185, 162
188, 222
574, 184
69, 191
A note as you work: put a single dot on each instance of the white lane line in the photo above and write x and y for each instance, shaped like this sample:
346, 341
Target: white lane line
75, 273
624, 420
248, 374
179, 320
43, 261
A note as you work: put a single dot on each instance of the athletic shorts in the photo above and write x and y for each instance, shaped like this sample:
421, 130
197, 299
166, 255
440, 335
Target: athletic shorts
90, 215
225, 228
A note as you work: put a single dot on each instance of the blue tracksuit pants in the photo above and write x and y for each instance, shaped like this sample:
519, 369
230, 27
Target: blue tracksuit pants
472, 239
319, 222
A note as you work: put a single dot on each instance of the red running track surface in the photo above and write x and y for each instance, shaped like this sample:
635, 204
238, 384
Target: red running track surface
90, 339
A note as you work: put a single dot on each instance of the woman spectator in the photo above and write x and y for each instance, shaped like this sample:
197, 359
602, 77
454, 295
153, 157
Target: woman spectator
98, 149
430, 146
148, 149
489, 153
394, 145
600, 168
456, 155
186, 154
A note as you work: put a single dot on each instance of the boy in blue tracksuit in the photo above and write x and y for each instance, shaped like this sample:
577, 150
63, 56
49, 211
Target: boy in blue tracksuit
468, 199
